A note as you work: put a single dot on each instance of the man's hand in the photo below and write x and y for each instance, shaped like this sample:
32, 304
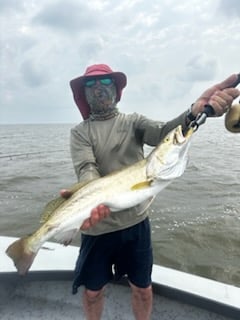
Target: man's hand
97, 214
219, 96
65, 193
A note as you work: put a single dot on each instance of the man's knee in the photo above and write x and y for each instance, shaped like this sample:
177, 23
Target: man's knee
142, 293
92, 295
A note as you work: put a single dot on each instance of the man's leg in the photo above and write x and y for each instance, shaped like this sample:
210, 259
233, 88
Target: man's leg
93, 302
142, 302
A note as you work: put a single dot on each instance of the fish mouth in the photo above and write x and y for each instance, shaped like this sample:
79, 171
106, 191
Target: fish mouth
179, 138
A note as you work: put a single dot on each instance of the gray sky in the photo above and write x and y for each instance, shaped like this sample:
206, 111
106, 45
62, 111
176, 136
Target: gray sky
171, 51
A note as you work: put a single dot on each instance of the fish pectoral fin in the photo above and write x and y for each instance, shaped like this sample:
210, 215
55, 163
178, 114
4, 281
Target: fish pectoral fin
141, 185
66, 237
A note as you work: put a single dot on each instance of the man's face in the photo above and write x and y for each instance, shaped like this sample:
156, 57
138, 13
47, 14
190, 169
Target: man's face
100, 93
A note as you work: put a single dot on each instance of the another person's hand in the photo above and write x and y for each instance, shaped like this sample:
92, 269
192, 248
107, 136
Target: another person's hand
219, 96
97, 214
232, 119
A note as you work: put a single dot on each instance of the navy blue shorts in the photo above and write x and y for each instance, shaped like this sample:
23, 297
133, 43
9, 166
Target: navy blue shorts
110, 256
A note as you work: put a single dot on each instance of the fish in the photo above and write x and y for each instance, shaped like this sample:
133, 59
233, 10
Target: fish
122, 189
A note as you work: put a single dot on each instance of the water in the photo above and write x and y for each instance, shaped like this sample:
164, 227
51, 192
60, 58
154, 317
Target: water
195, 221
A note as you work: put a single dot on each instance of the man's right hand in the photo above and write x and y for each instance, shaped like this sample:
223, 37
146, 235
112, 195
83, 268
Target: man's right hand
97, 214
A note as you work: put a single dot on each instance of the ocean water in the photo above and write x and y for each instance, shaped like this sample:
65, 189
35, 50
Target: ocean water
195, 221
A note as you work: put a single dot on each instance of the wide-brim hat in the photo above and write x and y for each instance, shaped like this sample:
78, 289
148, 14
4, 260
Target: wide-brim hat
96, 70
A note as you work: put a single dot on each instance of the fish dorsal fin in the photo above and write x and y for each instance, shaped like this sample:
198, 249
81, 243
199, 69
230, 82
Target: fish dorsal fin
141, 185
50, 208
52, 205
77, 186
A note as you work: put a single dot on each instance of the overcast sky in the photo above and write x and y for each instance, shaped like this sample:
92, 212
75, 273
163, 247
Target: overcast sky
171, 51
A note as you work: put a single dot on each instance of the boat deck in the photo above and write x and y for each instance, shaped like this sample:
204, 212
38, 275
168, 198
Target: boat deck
45, 292
53, 300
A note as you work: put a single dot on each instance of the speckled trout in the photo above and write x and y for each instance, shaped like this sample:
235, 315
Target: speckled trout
62, 218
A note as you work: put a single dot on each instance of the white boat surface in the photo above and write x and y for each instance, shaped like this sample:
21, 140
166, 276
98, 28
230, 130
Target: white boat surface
45, 292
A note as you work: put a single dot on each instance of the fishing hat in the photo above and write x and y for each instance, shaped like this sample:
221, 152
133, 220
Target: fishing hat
96, 70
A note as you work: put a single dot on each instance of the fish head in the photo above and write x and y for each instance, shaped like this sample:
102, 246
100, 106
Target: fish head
169, 159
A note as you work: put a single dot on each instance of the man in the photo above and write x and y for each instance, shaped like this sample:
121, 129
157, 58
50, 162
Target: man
105, 141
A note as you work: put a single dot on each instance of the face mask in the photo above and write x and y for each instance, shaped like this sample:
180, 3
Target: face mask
102, 100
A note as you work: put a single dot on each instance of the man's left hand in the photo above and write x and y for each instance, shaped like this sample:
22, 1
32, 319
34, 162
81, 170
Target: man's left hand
97, 214
220, 97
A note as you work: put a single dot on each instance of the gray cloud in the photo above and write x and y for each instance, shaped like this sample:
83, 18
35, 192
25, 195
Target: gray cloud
70, 16
33, 75
11, 5
170, 52
20, 44
229, 8
199, 68
90, 46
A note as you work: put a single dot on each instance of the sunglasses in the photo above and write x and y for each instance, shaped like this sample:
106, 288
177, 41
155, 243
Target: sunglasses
91, 82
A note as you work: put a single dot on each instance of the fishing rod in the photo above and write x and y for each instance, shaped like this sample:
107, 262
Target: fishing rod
208, 111
10, 156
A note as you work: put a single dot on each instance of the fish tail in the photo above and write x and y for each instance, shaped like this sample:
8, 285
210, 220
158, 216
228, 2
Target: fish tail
21, 255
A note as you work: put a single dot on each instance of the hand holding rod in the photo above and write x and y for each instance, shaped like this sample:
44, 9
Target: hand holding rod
208, 109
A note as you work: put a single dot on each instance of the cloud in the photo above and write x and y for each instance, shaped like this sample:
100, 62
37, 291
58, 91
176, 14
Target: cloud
170, 51
12, 5
70, 16
33, 74
199, 68
229, 8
